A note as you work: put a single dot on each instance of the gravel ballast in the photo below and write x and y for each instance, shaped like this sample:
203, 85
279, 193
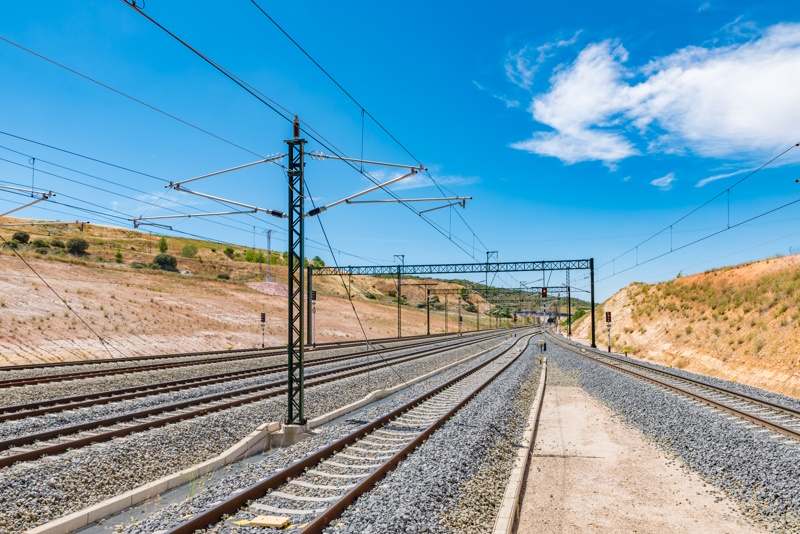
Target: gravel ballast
280, 459
756, 467
33, 493
433, 490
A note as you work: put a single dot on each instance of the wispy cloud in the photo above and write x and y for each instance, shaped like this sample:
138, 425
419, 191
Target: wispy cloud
521, 66
706, 181
665, 182
730, 101
510, 103
421, 181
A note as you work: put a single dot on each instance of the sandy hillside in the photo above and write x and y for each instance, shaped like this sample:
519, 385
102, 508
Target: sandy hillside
145, 311
739, 323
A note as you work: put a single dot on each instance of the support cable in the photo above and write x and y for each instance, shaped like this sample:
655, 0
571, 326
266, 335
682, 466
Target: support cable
274, 107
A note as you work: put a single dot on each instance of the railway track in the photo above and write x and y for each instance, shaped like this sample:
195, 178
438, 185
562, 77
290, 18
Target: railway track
781, 419
119, 370
33, 446
49, 406
317, 489
279, 349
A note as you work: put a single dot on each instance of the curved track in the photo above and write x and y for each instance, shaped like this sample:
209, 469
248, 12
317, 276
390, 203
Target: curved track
773, 416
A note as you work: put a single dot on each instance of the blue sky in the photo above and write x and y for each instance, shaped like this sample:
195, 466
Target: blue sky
579, 129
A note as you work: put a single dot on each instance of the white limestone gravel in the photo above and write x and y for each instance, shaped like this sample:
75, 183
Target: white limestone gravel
281, 458
36, 492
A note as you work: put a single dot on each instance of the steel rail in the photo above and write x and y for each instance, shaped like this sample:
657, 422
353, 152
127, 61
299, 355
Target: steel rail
35, 408
203, 409
16, 382
616, 362
234, 503
320, 346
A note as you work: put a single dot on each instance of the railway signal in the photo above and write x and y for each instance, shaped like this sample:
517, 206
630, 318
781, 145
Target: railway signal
263, 321
608, 317
608, 323
544, 292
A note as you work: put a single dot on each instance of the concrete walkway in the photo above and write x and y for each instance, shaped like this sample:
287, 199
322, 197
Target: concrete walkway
591, 473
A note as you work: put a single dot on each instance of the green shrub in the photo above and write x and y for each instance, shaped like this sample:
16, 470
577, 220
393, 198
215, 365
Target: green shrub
213, 249
57, 243
224, 276
118, 256
42, 250
255, 257
370, 296
12, 244
77, 245
188, 250
138, 265
688, 330
228, 252
22, 237
167, 262
162, 245
40, 243
392, 293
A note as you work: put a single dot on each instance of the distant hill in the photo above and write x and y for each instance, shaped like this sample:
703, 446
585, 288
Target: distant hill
212, 300
739, 323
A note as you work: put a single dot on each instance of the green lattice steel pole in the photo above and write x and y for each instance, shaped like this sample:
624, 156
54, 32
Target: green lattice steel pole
295, 384
429, 311
399, 301
591, 277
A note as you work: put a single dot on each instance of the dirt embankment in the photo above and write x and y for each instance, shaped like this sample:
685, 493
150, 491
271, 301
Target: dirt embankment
738, 323
145, 311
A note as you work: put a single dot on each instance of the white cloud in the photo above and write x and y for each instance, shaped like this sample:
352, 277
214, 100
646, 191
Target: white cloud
521, 68
731, 101
510, 103
665, 182
418, 180
706, 181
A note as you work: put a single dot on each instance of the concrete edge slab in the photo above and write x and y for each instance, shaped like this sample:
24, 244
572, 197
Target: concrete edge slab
507, 515
88, 515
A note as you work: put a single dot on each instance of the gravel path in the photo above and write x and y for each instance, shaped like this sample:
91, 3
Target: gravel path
752, 465
31, 494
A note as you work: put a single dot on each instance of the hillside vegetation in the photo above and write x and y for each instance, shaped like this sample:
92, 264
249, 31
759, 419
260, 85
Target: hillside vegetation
740, 323
208, 296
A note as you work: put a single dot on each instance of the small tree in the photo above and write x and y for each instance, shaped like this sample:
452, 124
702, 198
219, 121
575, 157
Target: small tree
189, 250
317, 261
22, 237
162, 245
167, 262
77, 245
228, 251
